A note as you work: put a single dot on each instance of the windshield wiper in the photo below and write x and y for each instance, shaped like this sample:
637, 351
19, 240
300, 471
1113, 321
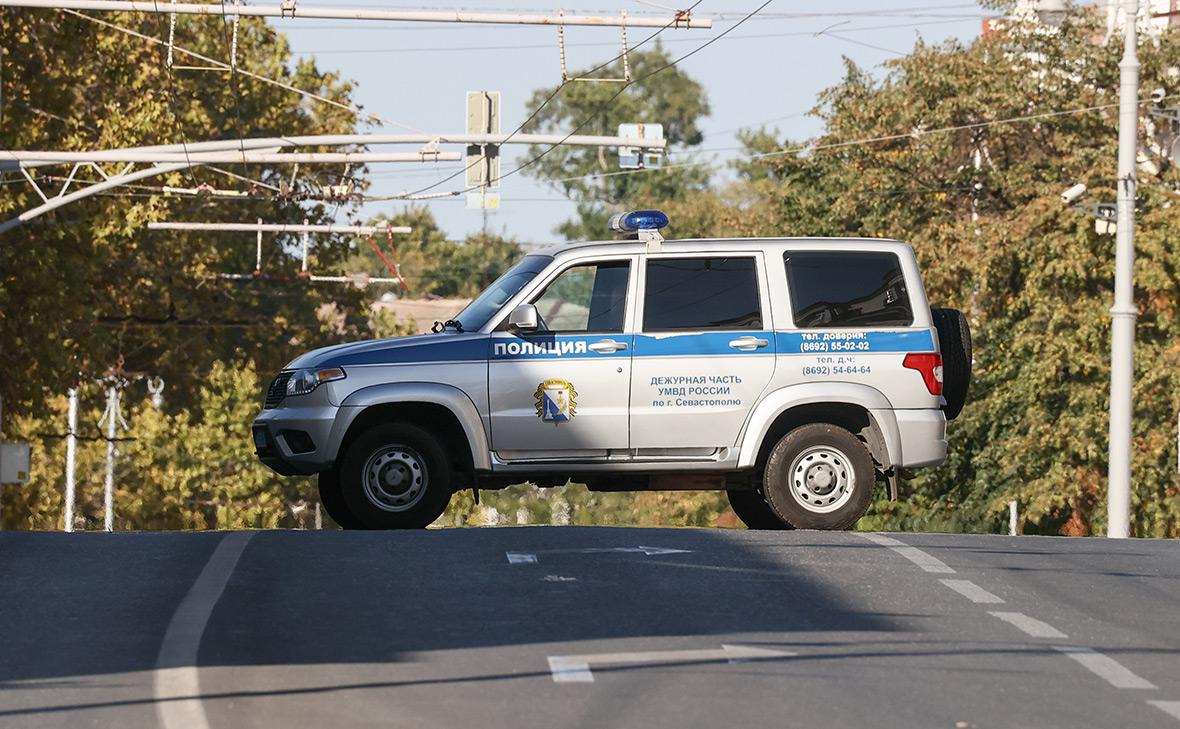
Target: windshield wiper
439, 326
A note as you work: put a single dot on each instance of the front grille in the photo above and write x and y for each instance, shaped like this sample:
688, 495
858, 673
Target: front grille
277, 390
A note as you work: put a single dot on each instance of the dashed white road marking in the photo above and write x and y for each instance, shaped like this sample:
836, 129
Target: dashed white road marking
177, 686
927, 562
1032, 626
972, 591
1168, 707
576, 669
1106, 668
531, 557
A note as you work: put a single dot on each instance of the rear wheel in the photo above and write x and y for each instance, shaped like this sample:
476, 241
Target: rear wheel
396, 477
819, 476
753, 510
333, 501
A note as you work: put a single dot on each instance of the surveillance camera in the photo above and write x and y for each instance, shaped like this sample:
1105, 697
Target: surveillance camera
1158, 96
1072, 194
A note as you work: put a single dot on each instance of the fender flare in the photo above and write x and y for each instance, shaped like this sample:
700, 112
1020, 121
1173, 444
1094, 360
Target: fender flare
777, 402
452, 398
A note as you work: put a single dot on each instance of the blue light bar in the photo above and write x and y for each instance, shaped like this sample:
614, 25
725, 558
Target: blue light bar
638, 220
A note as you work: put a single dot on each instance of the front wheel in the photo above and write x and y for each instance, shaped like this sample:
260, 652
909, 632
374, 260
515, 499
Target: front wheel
333, 501
819, 476
396, 477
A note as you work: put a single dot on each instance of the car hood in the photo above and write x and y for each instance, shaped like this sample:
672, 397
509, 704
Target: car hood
442, 347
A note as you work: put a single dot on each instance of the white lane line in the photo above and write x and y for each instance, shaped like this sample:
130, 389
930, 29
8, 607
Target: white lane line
972, 591
1032, 626
520, 558
1168, 707
927, 562
565, 670
1106, 668
177, 686
576, 669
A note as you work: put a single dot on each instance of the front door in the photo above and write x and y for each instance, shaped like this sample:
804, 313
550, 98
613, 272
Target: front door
562, 392
704, 353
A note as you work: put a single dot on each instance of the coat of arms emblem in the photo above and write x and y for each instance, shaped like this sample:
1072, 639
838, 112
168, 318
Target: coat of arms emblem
556, 401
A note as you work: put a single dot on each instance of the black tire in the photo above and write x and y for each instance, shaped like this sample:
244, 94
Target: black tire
333, 501
409, 481
819, 476
954, 341
753, 510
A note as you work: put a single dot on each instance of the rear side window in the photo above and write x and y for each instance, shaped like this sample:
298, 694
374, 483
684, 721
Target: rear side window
690, 294
842, 289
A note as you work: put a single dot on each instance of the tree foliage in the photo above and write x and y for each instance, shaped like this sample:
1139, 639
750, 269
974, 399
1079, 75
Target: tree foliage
87, 283
660, 93
433, 264
921, 155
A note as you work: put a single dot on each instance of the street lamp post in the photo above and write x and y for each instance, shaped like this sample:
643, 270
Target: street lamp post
1123, 313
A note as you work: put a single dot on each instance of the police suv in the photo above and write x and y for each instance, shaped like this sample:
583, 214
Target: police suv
795, 373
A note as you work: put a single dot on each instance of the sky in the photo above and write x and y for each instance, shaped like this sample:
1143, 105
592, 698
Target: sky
767, 72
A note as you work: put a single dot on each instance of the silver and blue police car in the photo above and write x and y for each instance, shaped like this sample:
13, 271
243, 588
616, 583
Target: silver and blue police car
795, 373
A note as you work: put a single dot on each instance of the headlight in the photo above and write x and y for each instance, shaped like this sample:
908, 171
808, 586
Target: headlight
304, 381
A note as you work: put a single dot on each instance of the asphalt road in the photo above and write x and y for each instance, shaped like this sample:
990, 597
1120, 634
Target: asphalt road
587, 627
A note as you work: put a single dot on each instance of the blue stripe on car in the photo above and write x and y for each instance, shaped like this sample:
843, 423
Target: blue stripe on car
561, 346
820, 341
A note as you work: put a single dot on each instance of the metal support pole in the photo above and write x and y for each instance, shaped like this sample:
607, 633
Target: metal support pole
258, 250
71, 450
678, 20
306, 238
1123, 313
108, 491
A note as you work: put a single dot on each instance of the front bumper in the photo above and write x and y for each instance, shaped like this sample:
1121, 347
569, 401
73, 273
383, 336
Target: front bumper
296, 441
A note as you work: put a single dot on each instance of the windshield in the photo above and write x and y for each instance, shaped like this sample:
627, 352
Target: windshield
502, 289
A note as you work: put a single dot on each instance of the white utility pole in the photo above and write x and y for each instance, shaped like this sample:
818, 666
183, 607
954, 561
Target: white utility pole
71, 449
112, 417
1123, 313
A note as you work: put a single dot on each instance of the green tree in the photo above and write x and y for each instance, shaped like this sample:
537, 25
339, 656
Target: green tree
668, 96
431, 263
979, 203
87, 283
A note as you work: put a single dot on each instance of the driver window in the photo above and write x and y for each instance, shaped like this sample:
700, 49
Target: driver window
586, 298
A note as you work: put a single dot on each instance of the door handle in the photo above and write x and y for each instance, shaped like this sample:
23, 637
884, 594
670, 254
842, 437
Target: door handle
607, 346
748, 344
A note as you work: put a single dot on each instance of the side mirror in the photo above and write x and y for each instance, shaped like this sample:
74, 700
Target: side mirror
523, 318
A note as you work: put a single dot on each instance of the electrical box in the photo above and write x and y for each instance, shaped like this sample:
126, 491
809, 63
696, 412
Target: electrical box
14, 462
483, 160
635, 158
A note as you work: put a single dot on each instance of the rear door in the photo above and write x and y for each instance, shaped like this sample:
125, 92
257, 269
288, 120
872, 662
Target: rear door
704, 352
853, 320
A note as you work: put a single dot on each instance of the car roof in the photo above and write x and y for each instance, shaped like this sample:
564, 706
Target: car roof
691, 245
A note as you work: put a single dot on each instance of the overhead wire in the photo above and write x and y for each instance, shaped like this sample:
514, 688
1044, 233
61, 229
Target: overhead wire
250, 74
192, 174
622, 88
811, 147
233, 79
552, 95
